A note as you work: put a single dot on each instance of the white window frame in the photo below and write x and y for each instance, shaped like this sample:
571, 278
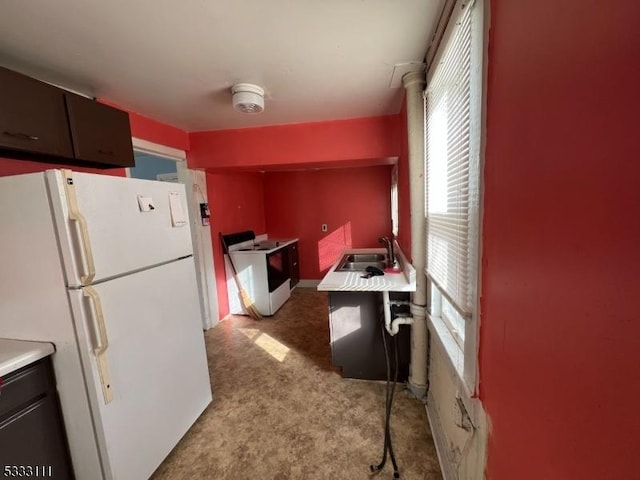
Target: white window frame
453, 320
463, 350
394, 200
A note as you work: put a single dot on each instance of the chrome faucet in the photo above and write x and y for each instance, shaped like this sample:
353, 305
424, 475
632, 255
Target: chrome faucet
389, 244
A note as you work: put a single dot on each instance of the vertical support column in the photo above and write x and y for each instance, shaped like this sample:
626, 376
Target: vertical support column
414, 83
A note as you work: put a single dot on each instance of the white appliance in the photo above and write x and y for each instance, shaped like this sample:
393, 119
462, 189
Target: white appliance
102, 267
263, 269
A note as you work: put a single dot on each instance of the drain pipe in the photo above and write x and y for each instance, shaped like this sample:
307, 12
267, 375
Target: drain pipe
393, 326
414, 83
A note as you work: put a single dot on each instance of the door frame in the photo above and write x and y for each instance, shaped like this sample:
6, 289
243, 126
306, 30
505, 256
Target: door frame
196, 184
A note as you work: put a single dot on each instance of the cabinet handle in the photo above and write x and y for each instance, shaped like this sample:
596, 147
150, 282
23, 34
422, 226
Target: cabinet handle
22, 136
105, 152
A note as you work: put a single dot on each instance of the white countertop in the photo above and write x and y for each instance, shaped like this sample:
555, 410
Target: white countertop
15, 354
403, 281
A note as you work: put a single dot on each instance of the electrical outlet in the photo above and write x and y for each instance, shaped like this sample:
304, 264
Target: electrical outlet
324, 227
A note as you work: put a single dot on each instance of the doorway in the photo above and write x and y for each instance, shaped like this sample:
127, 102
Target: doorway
158, 162
153, 167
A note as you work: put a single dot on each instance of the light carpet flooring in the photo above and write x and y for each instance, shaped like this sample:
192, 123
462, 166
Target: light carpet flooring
280, 410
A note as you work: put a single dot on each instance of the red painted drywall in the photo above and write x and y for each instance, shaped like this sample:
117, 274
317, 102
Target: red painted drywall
352, 143
353, 202
236, 203
301, 144
149, 129
561, 260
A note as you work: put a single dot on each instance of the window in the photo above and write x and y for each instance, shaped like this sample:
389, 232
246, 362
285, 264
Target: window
394, 201
452, 150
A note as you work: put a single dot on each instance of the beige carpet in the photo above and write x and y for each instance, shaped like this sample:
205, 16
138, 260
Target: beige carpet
281, 411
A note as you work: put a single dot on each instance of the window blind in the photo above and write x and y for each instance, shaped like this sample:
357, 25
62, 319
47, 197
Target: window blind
449, 166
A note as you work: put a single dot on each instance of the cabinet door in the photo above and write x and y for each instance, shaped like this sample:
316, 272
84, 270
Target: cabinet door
356, 336
31, 431
33, 438
101, 134
33, 116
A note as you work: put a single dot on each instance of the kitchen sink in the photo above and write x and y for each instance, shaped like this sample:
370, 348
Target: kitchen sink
358, 262
359, 266
366, 257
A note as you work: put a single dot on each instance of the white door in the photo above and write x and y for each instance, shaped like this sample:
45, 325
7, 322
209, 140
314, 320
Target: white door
155, 364
131, 224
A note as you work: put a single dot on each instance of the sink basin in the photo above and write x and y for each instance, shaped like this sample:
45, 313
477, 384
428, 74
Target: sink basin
358, 262
366, 257
358, 266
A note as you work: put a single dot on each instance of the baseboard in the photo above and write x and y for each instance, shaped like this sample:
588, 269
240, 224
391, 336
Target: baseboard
440, 440
308, 283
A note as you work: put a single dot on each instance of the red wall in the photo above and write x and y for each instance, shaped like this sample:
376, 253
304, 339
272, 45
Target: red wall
304, 144
353, 143
236, 203
151, 130
353, 202
561, 259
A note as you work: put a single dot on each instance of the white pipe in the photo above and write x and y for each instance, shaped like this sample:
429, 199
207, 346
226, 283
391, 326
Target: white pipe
386, 307
414, 83
393, 326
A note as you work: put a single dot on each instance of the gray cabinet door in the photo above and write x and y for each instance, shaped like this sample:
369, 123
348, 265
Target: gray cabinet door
356, 336
32, 439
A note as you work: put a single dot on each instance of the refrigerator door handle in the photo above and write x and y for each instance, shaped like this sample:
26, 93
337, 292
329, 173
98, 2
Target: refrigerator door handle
76, 216
100, 335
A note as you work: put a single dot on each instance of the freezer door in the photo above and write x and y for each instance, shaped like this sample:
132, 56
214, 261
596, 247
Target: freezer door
114, 225
155, 360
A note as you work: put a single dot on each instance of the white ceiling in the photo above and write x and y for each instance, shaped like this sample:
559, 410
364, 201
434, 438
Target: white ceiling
176, 61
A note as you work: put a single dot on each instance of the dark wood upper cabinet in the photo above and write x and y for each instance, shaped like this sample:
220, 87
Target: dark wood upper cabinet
33, 116
100, 133
42, 122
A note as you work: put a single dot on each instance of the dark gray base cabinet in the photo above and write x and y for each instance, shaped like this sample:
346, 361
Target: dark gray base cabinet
355, 320
32, 439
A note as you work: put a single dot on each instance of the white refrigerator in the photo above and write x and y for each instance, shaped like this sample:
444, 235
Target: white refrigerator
102, 267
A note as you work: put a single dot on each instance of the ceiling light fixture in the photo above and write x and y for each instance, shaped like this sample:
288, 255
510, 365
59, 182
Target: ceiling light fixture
248, 98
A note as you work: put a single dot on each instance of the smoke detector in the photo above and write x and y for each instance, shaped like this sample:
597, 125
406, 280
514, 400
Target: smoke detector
248, 98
